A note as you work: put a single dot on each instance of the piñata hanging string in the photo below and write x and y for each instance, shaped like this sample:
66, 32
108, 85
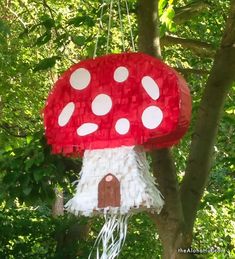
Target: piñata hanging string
109, 25
113, 234
101, 26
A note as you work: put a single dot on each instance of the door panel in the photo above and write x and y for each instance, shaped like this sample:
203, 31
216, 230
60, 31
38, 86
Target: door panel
109, 192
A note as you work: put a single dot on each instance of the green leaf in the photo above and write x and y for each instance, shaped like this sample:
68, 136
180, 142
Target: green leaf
48, 23
170, 12
46, 63
79, 20
76, 21
27, 190
89, 21
46, 37
78, 40
29, 139
162, 5
28, 163
38, 174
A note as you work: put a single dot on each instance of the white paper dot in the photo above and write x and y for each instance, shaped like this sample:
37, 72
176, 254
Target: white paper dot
152, 117
151, 87
121, 74
122, 126
86, 129
80, 79
66, 114
101, 105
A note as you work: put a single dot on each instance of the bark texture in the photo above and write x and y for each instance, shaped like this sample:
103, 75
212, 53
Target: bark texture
175, 223
149, 41
199, 163
188, 71
199, 48
58, 206
170, 222
191, 10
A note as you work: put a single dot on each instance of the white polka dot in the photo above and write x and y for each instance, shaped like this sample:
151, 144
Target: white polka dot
122, 126
66, 114
86, 129
121, 74
101, 105
151, 87
80, 79
152, 117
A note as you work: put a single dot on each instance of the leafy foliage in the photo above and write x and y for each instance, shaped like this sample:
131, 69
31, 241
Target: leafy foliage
38, 41
31, 173
29, 232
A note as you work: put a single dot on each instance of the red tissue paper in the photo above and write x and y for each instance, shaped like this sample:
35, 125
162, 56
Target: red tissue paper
117, 100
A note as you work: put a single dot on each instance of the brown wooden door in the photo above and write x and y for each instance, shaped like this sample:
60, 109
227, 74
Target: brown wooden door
109, 192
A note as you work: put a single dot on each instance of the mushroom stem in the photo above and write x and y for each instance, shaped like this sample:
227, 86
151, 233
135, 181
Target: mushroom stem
134, 184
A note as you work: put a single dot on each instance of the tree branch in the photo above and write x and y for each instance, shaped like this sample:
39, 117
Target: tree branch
7, 8
187, 12
49, 9
187, 71
200, 157
21, 3
45, 4
200, 48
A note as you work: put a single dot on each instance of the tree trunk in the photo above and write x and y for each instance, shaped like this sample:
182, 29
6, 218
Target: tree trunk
175, 222
170, 222
199, 162
149, 41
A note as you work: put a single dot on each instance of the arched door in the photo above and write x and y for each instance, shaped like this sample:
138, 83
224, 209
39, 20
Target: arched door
109, 192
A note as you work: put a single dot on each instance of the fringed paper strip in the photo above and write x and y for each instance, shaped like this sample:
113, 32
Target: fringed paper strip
129, 165
111, 237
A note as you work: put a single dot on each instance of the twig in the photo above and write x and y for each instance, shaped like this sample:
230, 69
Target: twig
15, 14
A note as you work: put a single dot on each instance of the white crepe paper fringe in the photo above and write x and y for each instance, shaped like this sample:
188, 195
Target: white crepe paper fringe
137, 186
111, 237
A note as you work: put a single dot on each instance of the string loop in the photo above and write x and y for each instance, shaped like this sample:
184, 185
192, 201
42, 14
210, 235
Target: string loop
130, 26
101, 27
120, 15
109, 25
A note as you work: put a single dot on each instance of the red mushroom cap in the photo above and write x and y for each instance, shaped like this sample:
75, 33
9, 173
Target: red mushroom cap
117, 100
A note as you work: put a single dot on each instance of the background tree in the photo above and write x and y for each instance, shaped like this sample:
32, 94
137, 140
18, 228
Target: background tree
41, 39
